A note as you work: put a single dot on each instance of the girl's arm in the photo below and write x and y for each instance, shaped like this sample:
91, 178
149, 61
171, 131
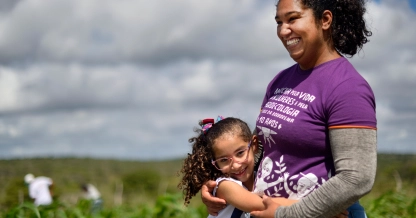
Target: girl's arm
243, 199
282, 201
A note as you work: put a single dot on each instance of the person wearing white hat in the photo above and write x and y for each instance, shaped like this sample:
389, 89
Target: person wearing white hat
39, 189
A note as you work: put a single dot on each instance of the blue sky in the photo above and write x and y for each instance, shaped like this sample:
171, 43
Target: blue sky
411, 3
131, 79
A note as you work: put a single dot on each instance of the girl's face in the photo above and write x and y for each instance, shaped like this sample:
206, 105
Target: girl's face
299, 33
230, 146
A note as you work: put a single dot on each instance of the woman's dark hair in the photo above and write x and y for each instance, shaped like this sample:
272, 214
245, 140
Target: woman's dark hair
197, 168
349, 31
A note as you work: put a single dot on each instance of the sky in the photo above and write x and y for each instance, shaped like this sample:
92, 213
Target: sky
131, 79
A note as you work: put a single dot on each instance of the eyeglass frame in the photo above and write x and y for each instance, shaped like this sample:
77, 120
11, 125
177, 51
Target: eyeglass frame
232, 158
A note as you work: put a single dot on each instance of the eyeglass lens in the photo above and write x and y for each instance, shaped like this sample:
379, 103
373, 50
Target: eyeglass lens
239, 157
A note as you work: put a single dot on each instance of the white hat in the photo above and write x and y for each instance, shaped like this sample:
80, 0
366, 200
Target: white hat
29, 177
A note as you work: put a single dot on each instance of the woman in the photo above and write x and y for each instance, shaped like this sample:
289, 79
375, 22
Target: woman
317, 121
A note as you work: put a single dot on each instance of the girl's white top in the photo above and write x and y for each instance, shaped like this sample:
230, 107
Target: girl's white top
228, 211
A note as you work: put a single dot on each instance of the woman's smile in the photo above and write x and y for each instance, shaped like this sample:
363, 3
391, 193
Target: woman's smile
293, 41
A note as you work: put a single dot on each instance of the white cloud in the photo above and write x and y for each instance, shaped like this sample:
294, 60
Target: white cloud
388, 62
9, 89
130, 79
143, 31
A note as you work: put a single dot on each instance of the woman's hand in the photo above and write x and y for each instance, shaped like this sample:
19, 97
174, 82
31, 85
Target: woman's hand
214, 204
344, 214
272, 205
270, 210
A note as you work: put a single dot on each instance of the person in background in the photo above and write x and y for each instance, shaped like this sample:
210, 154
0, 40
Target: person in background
40, 189
90, 192
317, 121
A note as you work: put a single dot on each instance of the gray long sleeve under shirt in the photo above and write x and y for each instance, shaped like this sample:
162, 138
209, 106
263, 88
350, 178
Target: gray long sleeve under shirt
355, 156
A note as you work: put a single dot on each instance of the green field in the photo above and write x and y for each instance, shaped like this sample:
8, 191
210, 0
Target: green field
148, 189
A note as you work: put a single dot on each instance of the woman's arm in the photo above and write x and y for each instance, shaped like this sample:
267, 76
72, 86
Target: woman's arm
271, 206
355, 156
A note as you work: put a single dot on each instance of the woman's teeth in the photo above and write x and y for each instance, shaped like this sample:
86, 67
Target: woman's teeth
292, 41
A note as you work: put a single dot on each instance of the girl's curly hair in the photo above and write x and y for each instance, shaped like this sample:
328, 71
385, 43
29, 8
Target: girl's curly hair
197, 168
349, 31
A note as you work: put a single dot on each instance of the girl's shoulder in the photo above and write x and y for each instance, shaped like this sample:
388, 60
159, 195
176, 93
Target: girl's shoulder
218, 180
221, 179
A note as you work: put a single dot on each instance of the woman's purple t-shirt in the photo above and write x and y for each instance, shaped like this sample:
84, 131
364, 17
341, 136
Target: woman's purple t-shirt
297, 111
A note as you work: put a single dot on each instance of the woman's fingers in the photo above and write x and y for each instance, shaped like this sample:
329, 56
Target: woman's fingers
270, 210
343, 214
213, 204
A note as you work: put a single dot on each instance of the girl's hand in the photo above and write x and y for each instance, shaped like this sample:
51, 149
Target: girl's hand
270, 210
213, 204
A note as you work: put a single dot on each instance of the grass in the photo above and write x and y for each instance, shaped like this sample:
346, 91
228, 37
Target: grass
149, 188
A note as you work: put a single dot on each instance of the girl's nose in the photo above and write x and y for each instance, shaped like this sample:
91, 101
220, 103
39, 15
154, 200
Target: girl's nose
235, 165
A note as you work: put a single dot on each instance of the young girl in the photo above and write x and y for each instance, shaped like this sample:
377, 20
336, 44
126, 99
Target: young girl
225, 151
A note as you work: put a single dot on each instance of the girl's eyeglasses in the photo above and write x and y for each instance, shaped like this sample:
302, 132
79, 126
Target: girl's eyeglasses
224, 163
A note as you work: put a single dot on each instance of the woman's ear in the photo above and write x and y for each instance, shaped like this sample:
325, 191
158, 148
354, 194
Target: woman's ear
326, 19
